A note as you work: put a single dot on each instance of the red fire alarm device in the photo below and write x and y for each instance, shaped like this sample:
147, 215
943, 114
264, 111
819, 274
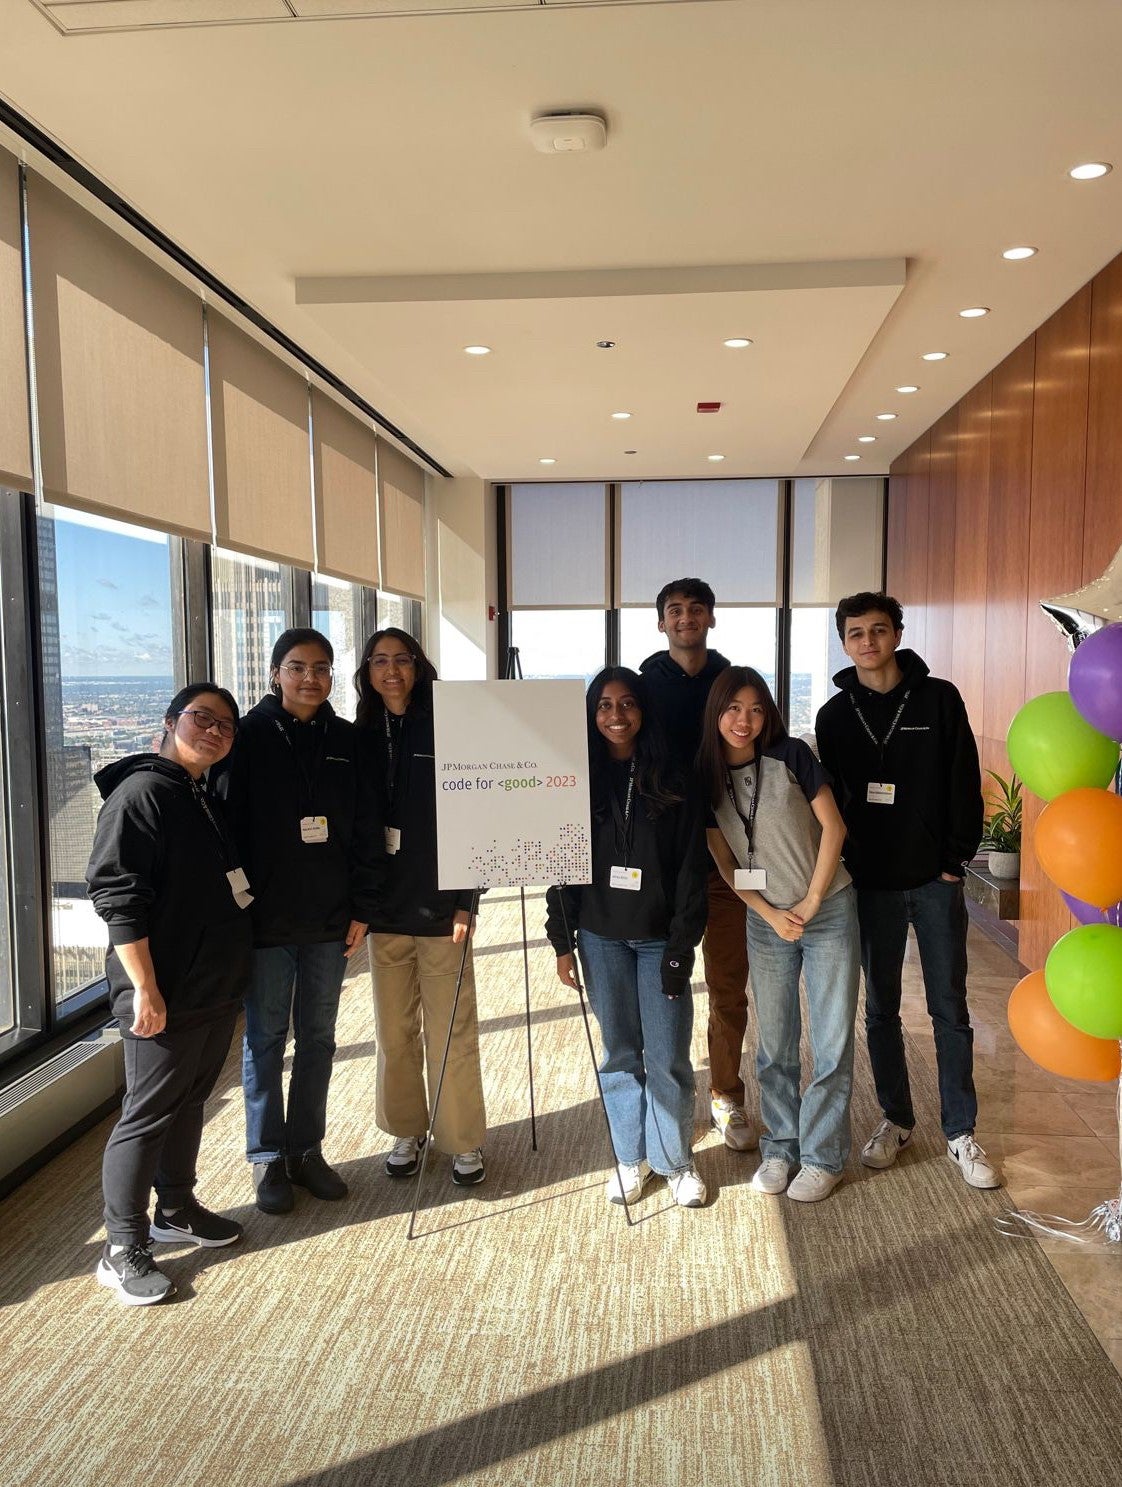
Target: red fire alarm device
708, 407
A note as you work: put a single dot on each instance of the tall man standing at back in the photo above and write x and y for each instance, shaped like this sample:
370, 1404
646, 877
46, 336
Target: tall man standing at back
898, 744
679, 681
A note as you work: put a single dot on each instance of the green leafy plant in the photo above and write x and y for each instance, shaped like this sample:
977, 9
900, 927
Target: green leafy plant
1002, 828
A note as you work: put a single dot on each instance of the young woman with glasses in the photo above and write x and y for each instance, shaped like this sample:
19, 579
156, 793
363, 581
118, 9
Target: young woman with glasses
165, 876
307, 816
417, 930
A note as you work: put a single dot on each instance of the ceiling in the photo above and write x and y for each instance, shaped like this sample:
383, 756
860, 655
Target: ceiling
834, 181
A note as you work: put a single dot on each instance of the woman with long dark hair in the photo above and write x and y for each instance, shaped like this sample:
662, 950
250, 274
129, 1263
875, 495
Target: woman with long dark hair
776, 837
635, 927
306, 813
417, 932
164, 875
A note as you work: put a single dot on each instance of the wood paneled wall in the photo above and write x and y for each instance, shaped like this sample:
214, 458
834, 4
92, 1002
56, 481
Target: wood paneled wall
1014, 495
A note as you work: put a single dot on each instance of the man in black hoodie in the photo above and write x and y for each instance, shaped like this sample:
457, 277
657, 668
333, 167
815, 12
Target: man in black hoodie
678, 684
898, 744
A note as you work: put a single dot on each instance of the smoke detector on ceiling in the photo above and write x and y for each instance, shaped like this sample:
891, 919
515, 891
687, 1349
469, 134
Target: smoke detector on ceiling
568, 133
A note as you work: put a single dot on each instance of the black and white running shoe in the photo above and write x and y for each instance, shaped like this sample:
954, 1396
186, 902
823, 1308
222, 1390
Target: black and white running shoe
194, 1224
134, 1275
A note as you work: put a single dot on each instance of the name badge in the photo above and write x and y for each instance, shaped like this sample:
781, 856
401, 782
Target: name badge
239, 887
752, 879
880, 794
393, 839
313, 828
630, 879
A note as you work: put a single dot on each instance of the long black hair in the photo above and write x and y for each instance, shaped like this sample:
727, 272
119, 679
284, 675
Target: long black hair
654, 774
370, 705
711, 756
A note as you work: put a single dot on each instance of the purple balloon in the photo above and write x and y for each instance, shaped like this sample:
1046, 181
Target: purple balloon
1088, 914
1094, 679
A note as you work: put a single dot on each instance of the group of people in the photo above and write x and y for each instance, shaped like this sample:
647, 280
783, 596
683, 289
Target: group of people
251, 858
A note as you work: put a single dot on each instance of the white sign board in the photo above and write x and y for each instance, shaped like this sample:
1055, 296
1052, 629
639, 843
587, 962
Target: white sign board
511, 784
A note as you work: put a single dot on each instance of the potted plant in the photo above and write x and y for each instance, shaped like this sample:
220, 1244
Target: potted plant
1002, 828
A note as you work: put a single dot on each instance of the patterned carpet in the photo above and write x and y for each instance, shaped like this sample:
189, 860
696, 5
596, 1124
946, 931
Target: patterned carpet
528, 1336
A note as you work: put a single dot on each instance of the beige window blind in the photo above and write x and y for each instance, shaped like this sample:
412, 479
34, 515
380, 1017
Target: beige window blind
15, 440
119, 370
401, 489
262, 468
344, 452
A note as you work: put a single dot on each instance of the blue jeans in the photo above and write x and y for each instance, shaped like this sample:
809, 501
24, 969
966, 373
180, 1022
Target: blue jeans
645, 1073
937, 911
813, 1131
304, 982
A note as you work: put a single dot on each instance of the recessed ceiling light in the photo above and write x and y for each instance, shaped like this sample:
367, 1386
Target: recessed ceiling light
478, 350
631, 451
621, 415
1091, 171
547, 462
853, 456
604, 345
935, 355
866, 438
737, 343
886, 417
1014, 254
975, 312
908, 387
715, 457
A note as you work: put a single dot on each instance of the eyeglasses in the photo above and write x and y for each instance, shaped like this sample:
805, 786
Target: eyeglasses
204, 721
298, 670
379, 663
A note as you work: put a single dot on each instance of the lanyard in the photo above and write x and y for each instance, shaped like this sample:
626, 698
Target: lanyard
309, 780
223, 844
880, 744
747, 821
392, 766
623, 819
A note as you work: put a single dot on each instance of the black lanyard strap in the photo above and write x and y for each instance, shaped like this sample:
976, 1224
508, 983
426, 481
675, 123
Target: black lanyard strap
747, 821
199, 791
309, 780
623, 818
880, 744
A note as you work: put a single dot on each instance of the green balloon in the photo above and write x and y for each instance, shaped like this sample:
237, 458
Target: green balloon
1054, 749
1083, 974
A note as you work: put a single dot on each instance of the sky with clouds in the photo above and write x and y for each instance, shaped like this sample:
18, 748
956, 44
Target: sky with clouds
114, 603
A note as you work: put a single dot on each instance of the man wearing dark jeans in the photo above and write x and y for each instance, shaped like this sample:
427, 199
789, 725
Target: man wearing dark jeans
898, 744
679, 681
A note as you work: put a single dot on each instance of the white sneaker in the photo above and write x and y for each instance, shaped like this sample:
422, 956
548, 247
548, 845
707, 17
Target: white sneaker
405, 1158
813, 1184
771, 1175
635, 1175
972, 1162
687, 1188
468, 1168
885, 1145
737, 1130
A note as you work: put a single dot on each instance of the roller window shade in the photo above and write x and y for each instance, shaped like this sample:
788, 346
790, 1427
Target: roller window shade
401, 490
119, 371
558, 547
344, 452
15, 439
838, 540
724, 531
262, 469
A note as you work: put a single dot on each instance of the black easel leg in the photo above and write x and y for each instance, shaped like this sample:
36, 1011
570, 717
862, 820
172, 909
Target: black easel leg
529, 1043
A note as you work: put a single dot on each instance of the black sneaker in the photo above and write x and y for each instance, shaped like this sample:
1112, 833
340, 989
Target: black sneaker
194, 1224
312, 1172
274, 1191
405, 1158
134, 1275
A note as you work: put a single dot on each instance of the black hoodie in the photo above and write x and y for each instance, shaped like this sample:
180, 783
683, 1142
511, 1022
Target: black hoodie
679, 700
157, 871
935, 823
282, 770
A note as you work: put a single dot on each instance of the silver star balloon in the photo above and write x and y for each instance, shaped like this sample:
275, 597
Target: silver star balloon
1083, 611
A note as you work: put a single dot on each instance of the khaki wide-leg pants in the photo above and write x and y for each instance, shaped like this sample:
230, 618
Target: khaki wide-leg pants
414, 985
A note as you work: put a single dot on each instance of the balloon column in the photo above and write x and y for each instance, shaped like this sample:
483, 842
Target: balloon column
1068, 1018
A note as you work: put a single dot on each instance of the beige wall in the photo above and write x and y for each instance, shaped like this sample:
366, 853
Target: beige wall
462, 577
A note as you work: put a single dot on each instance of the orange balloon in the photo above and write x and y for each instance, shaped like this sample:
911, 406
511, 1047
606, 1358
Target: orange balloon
1078, 843
1052, 1042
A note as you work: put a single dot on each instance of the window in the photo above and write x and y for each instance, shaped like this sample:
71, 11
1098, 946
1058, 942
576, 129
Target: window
745, 636
816, 654
7, 998
108, 673
398, 613
559, 643
250, 611
339, 612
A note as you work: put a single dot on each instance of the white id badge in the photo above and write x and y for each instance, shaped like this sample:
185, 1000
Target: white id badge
630, 879
313, 828
393, 839
880, 794
754, 879
239, 887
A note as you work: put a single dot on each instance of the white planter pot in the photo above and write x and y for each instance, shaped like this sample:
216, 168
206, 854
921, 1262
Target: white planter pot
1005, 864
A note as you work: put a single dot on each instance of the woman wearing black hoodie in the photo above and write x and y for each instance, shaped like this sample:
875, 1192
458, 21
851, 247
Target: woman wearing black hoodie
305, 810
164, 876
